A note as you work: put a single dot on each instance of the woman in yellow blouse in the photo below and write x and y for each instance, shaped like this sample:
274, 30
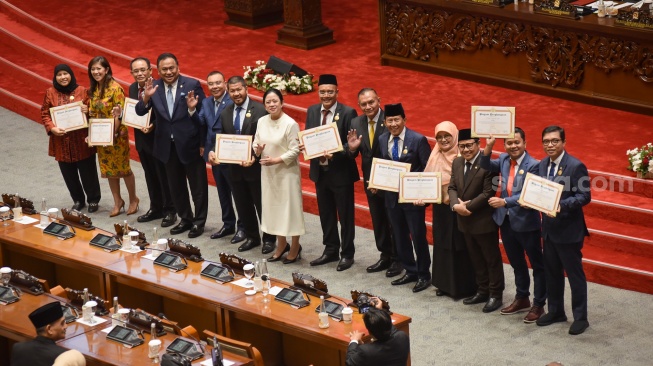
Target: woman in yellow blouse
107, 100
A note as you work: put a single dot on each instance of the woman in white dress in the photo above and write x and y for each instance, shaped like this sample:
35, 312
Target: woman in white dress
277, 147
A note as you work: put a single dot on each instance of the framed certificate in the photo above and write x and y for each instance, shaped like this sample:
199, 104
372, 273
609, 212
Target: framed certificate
420, 186
496, 121
100, 132
385, 174
69, 117
541, 194
320, 139
233, 149
131, 119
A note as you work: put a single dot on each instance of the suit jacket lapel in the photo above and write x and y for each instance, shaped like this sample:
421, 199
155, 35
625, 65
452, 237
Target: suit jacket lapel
472, 173
365, 133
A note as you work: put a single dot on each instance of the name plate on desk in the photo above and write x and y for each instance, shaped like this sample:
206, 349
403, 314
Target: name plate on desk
217, 272
59, 230
125, 336
558, 8
105, 242
171, 261
497, 3
640, 18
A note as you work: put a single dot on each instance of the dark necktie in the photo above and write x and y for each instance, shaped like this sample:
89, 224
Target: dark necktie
552, 171
217, 105
170, 100
140, 93
395, 148
237, 120
468, 167
325, 113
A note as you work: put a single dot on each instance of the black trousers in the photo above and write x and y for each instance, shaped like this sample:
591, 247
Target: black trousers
336, 203
156, 180
486, 258
409, 228
385, 242
221, 175
81, 179
247, 196
195, 174
558, 259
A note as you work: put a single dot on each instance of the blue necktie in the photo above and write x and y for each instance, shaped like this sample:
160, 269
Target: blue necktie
395, 148
170, 99
237, 120
552, 171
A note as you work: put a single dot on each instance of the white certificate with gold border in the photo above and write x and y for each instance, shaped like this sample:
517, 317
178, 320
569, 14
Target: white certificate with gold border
385, 174
320, 139
69, 116
541, 194
131, 119
100, 132
233, 149
416, 186
496, 121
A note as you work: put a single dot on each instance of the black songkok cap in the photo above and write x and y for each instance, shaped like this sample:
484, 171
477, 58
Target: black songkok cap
46, 314
465, 134
327, 79
392, 110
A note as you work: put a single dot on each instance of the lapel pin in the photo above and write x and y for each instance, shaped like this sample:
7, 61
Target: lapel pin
72, 97
248, 114
521, 171
560, 171
405, 151
337, 117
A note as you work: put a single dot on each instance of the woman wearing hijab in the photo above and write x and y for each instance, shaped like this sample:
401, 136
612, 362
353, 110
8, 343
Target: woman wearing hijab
453, 274
70, 358
75, 158
107, 100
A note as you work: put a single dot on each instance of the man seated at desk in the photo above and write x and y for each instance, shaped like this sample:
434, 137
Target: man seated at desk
391, 347
50, 327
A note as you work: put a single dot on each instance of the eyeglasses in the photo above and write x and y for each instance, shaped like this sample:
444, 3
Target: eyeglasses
327, 92
139, 71
553, 142
468, 146
443, 138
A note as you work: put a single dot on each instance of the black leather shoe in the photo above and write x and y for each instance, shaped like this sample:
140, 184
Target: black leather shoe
379, 266
344, 264
578, 327
550, 318
476, 299
492, 304
324, 259
404, 280
181, 227
268, 247
224, 231
149, 216
247, 245
439, 292
422, 284
240, 236
169, 220
196, 231
78, 206
93, 207
394, 269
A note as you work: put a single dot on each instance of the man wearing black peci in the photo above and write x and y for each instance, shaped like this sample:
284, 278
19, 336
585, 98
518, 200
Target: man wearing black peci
50, 327
363, 140
334, 176
161, 205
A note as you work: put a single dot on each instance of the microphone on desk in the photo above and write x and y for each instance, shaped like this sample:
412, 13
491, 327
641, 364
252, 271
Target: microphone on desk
216, 353
163, 316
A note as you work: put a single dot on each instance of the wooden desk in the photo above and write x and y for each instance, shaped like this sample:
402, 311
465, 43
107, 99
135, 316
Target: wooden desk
589, 60
288, 336
70, 263
99, 351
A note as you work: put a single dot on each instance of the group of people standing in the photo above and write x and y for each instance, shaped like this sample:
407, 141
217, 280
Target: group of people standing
479, 194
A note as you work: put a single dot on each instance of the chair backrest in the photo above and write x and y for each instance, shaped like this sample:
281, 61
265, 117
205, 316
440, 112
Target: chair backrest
58, 291
237, 347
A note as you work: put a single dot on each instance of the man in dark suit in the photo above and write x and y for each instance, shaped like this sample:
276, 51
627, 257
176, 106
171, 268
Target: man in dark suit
362, 139
520, 226
177, 141
334, 176
408, 221
211, 124
241, 118
50, 327
564, 234
161, 205
470, 189
391, 347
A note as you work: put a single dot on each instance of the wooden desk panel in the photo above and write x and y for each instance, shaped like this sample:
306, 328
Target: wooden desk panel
101, 352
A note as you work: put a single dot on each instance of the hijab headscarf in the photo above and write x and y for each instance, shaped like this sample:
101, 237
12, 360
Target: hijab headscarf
68, 89
441, 161
70, 358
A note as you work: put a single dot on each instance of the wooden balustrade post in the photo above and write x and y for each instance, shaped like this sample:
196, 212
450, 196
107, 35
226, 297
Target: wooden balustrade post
303, 27
253, 14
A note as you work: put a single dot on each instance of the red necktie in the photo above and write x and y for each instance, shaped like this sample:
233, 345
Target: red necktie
511, 176
140, 93
325, 113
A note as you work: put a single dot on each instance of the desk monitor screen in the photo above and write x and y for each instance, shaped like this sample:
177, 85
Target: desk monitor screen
105, 242
58, 230
184, 347
291, 297
7, 296
333, 309
217, 272
125, 336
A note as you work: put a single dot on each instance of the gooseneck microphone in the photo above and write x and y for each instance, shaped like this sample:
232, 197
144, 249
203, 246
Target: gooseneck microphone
163, 316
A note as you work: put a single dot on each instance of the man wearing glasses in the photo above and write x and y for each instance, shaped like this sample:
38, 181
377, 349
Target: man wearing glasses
334, 176
564, 234
470, 189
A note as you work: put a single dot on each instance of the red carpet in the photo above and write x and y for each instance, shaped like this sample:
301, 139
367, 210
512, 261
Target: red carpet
598, 136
